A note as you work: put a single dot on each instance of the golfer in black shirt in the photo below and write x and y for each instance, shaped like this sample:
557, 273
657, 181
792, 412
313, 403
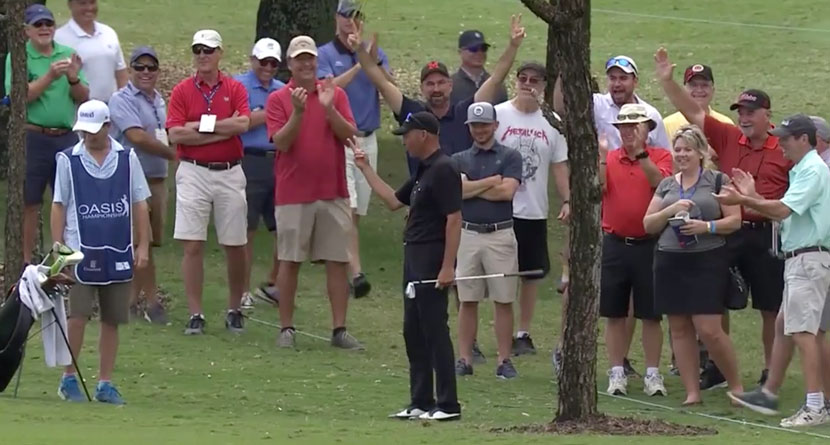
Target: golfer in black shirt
431, 238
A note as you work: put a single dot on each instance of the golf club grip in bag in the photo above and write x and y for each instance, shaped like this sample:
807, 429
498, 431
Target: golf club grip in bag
15, 322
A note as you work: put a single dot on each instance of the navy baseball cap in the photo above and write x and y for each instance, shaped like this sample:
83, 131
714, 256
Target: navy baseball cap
143, 51
796, 125
422, 120
37, 12
472, 38
348, 8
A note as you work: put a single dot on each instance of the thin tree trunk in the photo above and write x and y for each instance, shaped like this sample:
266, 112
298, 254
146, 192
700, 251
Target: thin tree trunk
13, 255
569, 44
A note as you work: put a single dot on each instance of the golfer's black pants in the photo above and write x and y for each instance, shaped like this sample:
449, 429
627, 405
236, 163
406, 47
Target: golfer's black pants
426, 332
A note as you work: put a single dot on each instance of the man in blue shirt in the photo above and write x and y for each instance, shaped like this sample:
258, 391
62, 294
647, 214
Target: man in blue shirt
100, 193
337, 59
258, 162
138, 114
804, 212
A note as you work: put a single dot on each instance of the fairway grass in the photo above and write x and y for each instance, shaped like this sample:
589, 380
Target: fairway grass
233, 389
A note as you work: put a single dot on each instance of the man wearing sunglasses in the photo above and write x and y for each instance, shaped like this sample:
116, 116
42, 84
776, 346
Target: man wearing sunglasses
472, 51
138, 113
206, 115
258, 163
337, 59
56, 85
748, 147
98, 47
436, 88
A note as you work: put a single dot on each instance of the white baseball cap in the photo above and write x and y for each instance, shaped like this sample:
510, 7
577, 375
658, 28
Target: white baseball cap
265, 48
300, 45
92, 115
207, 37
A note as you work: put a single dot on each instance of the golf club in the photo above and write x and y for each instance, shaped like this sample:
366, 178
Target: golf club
410, 287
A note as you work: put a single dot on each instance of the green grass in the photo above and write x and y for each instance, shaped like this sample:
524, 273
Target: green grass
222, 388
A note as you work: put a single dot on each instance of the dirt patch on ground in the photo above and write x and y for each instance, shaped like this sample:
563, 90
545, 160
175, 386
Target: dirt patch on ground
606, 425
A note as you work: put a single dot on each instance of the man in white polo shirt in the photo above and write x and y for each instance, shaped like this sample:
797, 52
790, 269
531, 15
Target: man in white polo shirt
98, 46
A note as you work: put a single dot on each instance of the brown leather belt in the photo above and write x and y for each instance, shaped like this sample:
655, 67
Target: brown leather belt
48, 131
213, 165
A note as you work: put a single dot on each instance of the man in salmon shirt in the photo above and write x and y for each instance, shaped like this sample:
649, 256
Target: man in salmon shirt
750, 148
309, 122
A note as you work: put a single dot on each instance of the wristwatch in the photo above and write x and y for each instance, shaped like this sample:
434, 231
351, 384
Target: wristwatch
642, 155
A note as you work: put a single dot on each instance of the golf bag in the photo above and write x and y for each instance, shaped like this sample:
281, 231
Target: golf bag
15, 322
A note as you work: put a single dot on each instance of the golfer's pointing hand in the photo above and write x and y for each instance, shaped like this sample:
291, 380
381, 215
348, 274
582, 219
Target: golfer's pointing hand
445, 277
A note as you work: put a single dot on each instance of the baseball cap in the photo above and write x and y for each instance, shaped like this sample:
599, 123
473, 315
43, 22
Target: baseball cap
300, 45
482, 112
703, 71
753, 99
634, 114
265, 48
796, 125
434, 67
471, 38
624, 63
348, 8
143, 51
36, 12
422, 120
207, 37
533, 65
92, 115
822, 128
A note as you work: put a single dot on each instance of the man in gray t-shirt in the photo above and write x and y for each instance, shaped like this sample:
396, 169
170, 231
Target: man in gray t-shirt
138, 115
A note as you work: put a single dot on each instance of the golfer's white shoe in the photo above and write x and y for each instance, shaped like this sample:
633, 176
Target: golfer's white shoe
408, 413
806, 417
653, 385
440, 415
617, 384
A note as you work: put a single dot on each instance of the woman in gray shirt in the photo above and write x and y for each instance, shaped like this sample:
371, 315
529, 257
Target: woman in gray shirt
691, 265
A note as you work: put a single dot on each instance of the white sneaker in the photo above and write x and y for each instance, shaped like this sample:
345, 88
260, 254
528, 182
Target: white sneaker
247, 301
439, 415
806, 417
617, 384
653, 385
408, 413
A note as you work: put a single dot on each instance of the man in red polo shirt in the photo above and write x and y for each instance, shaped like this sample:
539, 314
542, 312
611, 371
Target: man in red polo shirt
309, 122
628, 177
750, 148
206, 115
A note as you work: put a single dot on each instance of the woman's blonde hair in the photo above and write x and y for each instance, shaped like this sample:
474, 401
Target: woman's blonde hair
696, 140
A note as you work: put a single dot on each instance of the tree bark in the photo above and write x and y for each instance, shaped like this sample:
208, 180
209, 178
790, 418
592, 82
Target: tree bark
569, 44
13, 255
282, 20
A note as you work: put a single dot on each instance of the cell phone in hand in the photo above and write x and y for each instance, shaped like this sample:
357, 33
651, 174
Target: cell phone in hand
677, 221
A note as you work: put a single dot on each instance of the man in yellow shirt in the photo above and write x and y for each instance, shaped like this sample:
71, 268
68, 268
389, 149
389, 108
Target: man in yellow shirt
700, 83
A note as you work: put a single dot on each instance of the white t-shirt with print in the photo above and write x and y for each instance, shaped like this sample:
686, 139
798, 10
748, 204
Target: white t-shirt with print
540, 145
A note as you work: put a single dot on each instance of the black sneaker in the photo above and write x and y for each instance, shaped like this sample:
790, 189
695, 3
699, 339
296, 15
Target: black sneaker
361, 286
478, 357
629, 370
196, 325
463, 368
764, 377
523, 346
757, 400
233, 322
506, 371
712, 378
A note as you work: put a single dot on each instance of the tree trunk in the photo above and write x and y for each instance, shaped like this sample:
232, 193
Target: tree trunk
13, 255
569, 41
283, 20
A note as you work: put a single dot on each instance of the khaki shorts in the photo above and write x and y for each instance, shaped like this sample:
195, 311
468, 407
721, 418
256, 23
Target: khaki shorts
157, 204
113, 301
806, 281
359, 190
197, 191
488, 253
316, 231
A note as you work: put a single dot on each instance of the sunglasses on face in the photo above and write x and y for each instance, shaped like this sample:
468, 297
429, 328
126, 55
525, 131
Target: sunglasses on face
477, 48
203, 50
42, 23
633, 118
618, 61
266, 62
141, 68
529, 80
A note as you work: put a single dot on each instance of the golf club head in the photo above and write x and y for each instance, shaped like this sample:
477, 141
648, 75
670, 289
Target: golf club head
410, 290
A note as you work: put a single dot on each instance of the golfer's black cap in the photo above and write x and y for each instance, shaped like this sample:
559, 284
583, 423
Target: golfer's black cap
532, 65
698, 70
434, 67
753, 99
796, 125
422, 120
471, 38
